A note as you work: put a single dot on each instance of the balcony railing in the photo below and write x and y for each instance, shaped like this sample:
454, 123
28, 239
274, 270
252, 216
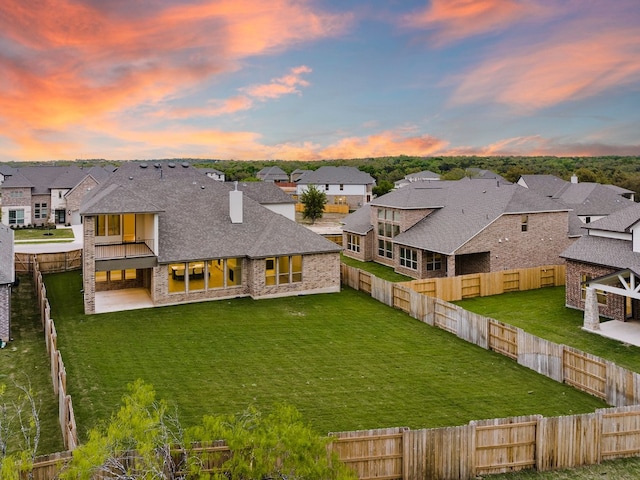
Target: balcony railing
141, 248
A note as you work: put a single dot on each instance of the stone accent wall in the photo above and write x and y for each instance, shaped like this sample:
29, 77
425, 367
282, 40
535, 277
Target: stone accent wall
89, 265
511, 248
5, 312
9, 201
615, 307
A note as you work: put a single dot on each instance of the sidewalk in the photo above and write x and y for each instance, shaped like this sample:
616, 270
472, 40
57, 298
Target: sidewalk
52, 247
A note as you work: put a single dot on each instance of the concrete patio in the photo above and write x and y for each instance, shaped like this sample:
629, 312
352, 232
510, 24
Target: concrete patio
118, 300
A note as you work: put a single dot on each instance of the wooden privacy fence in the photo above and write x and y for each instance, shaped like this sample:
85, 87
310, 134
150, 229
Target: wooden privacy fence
453, 289
48, 262
328, 208
58, 372
502, 445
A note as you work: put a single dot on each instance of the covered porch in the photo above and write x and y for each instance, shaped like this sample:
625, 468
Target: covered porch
125, 299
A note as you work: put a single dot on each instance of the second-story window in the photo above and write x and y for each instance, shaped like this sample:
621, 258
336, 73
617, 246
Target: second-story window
524, 223
107, 225
388, 228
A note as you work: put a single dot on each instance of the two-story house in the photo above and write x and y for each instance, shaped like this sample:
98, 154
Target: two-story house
38, 195
7, 279
342, 185
272, 174
178, 236
449, 228
607, 258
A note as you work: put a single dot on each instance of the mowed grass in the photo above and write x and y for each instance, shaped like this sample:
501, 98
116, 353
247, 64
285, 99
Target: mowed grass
344, 360
543, 313
42, 233
377, 269
25, 362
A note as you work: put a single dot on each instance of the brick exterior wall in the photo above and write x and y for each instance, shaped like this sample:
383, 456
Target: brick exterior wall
9, 201
89, 265
366, 247
75, 196
5, 312
615, 307
40, 199
545, 239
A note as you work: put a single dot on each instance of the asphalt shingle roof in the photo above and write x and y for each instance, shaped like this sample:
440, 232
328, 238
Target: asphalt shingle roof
608, 252
359, 221
193, 216
463, 209
335, 176
265, 193
620, 221
41, 179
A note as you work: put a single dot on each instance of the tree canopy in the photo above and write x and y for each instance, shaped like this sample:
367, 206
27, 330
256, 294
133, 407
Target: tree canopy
313, 201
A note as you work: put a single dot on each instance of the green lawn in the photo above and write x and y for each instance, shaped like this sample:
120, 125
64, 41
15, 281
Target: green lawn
380, 271
542, 313
42, 233
25, 361
344, 360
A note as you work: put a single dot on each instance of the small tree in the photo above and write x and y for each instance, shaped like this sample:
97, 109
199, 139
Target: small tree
19, 433
314, 201
383, 187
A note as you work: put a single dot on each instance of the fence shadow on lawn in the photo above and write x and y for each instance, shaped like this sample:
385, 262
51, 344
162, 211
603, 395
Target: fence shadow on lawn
465, 452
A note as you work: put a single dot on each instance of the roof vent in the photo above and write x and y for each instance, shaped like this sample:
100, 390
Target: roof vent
143, 165
157, 165
172, 165
185, 164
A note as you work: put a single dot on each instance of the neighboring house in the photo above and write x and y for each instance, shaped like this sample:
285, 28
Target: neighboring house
182, 237
424, 176
297, 173
47, 194
272, 174
268, 195
474, 172
588, 201
215, 174
449, 228
5, 171
342, 185
607, 258
7, 279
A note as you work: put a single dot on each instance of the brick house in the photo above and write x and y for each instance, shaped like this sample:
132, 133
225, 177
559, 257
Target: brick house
179, 236
342, 185
449, 228
607, 259
46, 194
7, 279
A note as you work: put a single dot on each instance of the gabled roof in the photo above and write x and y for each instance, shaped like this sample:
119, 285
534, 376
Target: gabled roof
265, 193
335, 176
607, 252
193, 216
482, 173
546, 185
591, 199
463, 209
620, 221
7, 269
41, 179
273, 173
359, 221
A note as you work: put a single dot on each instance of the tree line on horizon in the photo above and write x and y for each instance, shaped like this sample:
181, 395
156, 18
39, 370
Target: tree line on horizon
623, 171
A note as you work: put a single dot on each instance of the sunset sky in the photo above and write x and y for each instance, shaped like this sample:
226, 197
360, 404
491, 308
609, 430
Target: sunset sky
317, 79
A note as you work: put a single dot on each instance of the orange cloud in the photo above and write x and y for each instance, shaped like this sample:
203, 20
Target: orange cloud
68, 63
579, 63
280, 86
453, 20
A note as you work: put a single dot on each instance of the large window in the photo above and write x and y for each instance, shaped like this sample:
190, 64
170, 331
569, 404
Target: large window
41, 211
283, 270
409, 258
16, 217
433, 261
204, 275
353, 243
388, 228
107, 225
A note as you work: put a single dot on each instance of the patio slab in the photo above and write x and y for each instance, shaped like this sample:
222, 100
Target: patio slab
626, 332
118, 300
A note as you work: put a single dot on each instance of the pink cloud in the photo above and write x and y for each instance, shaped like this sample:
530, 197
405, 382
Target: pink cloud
67, 63
578, 63
453, 20
285, 85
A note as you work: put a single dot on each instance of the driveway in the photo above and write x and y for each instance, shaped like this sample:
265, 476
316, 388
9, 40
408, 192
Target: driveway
52, 247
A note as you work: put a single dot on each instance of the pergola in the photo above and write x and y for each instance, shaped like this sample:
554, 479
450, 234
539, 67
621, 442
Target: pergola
625, 283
